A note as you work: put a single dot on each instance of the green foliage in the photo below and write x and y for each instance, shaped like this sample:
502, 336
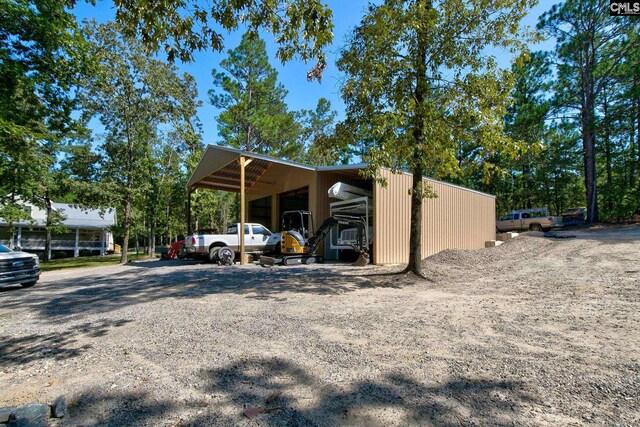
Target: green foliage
147, 111
544, 170
214, 209
438, 49
255, 116
617, 152
41, 55
300, 27
320, 135
591, 47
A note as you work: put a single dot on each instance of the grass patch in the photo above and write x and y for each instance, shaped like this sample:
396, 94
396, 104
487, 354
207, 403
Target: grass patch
88, 261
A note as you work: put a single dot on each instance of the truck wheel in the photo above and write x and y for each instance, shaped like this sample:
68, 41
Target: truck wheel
28, 284
225, 255
535, 227
213, 254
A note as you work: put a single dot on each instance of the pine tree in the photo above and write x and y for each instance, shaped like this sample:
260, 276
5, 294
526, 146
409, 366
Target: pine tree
254, 114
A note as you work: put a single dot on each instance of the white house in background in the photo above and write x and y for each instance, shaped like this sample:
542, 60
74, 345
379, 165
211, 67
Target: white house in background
87, 230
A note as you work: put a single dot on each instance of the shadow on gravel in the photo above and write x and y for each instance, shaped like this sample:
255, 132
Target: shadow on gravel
249, 383
59, 346
112, 408
101, 293
177, 263
13, 288
297, 398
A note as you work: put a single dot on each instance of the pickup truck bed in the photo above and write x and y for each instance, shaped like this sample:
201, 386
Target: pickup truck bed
206, 245
536, 221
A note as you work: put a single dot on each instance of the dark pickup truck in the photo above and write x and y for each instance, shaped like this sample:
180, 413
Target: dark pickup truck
18, 267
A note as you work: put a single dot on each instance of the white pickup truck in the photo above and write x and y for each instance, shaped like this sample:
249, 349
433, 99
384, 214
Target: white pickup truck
222, 248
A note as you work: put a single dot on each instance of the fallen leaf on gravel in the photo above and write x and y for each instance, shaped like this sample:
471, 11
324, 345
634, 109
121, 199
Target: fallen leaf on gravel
251, 413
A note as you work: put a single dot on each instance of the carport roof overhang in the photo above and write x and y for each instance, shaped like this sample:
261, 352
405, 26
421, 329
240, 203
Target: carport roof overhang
219, 169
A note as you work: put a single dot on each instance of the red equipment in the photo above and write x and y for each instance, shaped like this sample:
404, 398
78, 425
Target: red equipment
174, 249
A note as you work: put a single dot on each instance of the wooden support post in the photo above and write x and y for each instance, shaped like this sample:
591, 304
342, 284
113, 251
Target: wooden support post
242, 186
76, 246
189, 211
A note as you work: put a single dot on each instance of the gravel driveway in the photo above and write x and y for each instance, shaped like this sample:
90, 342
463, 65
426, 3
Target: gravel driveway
534, 332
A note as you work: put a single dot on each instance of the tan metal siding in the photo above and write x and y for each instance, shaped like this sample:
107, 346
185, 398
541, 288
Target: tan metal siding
278, 179
457, 218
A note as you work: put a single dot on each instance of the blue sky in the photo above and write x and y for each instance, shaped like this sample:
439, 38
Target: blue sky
302, 94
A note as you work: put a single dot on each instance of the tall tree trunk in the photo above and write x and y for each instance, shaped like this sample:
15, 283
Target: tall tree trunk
417, 187
248, 142
556, 197
588, 146
128, 196
48, 223
637, 167
127, 207
547, 190
225, 214
168, 229
632, 151
607, 156
152, 239
415, 236
14, 238
126, 226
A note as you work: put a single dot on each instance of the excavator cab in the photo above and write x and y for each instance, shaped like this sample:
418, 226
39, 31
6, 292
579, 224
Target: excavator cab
296, 228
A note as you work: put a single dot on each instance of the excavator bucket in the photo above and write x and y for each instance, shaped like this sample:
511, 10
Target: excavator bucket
363, 259
267, 261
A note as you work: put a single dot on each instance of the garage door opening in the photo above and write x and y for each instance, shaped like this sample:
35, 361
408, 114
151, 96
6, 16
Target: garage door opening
260, 211
294, 200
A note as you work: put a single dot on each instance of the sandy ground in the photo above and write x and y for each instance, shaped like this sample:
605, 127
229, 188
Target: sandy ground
535, 332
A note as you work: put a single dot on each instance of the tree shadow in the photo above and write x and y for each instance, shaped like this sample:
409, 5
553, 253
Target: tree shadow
293, 396
12, 288
97, 406
103, 292
59, 346
393, 398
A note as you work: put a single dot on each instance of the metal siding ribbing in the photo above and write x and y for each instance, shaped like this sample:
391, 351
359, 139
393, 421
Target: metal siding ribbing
457, 218
392, 218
